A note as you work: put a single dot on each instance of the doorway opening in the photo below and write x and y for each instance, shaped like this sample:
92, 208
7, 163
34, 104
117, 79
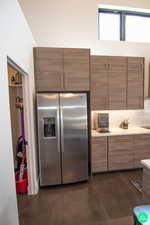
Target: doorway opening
16, 86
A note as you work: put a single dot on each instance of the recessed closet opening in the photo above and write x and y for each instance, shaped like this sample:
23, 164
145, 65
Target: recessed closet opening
16, 85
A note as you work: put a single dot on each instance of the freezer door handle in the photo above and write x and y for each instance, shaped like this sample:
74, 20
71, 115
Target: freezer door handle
58, 131
62, 130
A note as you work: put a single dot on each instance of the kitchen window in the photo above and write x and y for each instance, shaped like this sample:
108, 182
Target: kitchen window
121, 25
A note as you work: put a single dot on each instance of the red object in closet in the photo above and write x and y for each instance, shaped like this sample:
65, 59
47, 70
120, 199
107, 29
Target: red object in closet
22, 185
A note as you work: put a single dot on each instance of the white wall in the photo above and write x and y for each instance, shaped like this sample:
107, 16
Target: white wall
136, 117
70, 23
15, 41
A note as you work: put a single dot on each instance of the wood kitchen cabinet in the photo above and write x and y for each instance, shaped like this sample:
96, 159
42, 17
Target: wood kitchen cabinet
59, 69
141, 149
76, 69
117, 82
108, 82
120, 152
117, 77
99, 83
48, 69
99, 154
126, 151
135, 89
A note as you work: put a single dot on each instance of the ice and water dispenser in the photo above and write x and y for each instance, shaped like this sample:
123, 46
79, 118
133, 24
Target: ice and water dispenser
49, 127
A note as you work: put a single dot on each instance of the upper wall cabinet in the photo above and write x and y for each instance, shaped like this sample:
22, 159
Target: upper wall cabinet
117, 82
117, 77
135, 90
48, 69
108, 82
76, 69
99, 83
59, 69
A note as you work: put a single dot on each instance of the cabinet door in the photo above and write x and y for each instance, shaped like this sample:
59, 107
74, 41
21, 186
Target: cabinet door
120, 152
135, 90
117, 73
76, 69
99, 154
141, 148
99, 82
48, 69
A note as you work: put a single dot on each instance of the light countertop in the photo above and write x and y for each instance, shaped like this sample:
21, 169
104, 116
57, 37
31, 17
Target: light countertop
146, 163
120, 131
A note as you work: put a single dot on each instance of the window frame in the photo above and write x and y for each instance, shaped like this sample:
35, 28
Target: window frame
123, 14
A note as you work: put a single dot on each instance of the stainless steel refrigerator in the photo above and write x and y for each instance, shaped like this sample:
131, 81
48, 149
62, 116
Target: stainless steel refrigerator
62, 137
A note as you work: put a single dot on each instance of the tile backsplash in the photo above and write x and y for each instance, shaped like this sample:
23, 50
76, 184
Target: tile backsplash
135, 117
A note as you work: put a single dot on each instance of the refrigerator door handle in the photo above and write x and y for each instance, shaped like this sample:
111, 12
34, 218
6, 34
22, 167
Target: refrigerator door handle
58, 131
62, 130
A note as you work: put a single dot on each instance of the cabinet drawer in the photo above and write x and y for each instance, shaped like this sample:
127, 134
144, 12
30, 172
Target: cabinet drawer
99, 141
142, 139
120, 141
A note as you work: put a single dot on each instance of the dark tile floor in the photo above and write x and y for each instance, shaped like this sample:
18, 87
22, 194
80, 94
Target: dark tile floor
107, 199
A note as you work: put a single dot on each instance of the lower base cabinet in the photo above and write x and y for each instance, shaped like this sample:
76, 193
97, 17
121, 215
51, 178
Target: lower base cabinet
99, 154
119, 152
141, 149
146, 180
